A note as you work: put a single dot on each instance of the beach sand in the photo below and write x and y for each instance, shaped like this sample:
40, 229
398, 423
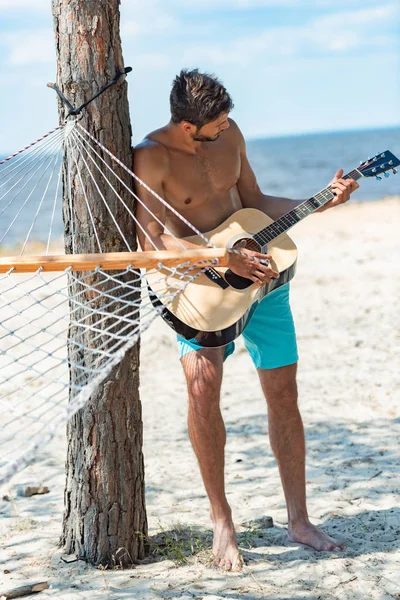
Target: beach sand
344, 300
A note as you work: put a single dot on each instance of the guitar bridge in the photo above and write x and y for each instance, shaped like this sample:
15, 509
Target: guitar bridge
216, 277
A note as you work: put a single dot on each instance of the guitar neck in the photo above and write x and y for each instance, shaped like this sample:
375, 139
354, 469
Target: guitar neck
301, 211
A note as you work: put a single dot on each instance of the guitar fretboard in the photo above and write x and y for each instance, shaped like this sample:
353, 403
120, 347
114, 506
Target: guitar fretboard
298, 213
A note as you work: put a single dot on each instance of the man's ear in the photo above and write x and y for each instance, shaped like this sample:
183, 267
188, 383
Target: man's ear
186, 126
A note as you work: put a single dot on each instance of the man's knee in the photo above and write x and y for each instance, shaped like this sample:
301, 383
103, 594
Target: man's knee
204, 400
203, 372
280, 387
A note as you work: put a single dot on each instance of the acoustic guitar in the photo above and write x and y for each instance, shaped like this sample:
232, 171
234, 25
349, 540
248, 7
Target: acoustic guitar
214, 308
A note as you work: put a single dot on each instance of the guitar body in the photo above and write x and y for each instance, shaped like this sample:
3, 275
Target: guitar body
215, 308
207, 313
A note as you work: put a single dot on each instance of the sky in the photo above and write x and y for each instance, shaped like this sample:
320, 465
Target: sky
291, 66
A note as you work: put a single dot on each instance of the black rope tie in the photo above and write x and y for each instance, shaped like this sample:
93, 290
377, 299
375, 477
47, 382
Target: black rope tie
77, 111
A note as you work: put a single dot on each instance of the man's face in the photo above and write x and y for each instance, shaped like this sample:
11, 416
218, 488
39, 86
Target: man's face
211, 131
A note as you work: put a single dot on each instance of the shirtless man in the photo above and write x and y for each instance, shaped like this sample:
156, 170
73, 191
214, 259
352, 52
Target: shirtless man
198, 164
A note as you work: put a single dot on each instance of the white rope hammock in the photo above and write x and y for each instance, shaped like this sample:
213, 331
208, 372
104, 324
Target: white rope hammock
62, 332
67, 320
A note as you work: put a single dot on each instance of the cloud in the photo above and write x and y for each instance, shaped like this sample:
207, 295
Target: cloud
235, 4
139, 17
25, 47
338, 32
149, 24
33, 5
151, 61
254, 4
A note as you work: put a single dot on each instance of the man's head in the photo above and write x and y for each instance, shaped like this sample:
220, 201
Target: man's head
201, 104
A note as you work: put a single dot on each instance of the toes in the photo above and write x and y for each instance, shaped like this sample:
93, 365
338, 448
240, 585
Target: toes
317, 539
227, 565
331, 547
215, 560
338, 547
238, 565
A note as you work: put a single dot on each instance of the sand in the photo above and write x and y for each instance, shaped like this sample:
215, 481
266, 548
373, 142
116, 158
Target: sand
344, 299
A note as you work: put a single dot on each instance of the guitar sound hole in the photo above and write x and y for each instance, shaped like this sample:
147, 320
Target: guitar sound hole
236, 281
248, 243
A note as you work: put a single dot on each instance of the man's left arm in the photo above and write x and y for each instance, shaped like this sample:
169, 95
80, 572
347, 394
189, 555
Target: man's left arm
274, 206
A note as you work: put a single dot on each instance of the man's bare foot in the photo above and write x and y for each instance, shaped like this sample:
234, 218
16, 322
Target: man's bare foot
225, 549
308, 534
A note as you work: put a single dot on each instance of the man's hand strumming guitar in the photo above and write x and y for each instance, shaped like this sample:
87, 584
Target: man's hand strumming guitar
252, 265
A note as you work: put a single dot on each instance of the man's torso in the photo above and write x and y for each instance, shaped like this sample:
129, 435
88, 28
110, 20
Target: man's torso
202, 186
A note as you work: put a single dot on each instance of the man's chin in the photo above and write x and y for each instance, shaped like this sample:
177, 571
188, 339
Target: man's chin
203, 138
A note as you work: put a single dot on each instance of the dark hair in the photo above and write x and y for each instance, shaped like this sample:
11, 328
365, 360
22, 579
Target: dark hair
198, 98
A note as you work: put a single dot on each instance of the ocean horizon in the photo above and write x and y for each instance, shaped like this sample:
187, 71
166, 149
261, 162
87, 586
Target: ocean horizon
323, 132
298, 166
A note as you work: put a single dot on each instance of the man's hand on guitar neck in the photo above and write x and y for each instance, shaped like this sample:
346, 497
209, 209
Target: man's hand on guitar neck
252, 265
342, 188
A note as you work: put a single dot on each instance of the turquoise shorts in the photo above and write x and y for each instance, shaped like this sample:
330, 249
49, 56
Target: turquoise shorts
269, 337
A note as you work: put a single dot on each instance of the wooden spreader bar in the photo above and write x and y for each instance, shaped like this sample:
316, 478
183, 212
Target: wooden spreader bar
113, 261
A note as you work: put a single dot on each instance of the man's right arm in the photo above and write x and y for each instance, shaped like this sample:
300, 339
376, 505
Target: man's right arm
151, 166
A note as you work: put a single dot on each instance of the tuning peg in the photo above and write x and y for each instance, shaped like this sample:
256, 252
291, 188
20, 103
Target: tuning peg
379, 178
394, 171
387, 175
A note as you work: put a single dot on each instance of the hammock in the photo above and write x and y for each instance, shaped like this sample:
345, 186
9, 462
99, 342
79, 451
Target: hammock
67, 319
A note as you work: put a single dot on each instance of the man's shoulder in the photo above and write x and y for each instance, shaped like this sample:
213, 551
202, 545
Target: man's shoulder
151, 151
233, 124
151, 144
235, 130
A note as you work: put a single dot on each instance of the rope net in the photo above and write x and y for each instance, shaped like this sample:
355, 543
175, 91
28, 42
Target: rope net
62, 333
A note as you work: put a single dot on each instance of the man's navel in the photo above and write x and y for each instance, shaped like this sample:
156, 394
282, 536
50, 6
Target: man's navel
188, 200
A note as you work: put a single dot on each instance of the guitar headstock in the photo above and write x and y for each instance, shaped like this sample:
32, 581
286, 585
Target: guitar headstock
380, 163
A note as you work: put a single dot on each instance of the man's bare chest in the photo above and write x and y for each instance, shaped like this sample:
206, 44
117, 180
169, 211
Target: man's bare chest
203, 175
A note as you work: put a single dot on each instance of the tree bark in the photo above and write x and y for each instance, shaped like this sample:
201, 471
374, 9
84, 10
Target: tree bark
105, 517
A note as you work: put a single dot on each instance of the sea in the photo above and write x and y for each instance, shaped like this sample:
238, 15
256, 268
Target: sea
291, 166
300, 166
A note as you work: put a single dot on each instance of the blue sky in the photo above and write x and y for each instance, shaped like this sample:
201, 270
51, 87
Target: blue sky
291, 66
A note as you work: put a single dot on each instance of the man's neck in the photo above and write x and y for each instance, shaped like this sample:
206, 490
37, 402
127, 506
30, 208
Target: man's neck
182, 140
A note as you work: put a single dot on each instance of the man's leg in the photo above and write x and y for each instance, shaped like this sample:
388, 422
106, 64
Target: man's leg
287, 442
203, 371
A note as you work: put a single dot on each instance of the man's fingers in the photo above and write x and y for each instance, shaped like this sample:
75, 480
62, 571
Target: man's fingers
341, 184
260, 268
263, 257
265, 269
342, 189
349, 184
257, 281
256, 267
266, 277
261, 281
